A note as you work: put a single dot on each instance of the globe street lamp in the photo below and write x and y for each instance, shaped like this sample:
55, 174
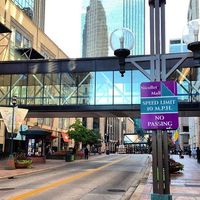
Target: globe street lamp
121, 42
191, 38
14, 102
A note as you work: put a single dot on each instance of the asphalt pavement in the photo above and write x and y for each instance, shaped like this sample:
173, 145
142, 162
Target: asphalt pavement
37, 167
184, 185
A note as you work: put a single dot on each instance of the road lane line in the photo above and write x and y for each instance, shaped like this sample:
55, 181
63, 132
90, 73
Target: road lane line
63, 181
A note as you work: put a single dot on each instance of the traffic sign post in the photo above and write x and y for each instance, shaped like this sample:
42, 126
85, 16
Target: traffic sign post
159, 105
159, 112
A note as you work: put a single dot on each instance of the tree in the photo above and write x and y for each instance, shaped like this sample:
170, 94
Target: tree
80, 133
94, 137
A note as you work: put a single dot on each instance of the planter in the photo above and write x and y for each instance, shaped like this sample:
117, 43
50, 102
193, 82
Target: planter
23, 163
175, 166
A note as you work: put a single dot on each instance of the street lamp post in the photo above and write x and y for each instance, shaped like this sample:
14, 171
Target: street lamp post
122, 41
14, 102
160, 165
191, 38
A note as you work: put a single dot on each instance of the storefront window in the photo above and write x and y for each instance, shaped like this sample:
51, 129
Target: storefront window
35, 147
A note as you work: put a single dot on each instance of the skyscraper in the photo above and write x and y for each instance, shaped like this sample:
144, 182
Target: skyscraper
120, 13
99, 19
95, 37
177, 46
193, 10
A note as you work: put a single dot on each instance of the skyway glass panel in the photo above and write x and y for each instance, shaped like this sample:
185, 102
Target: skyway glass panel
35, 89
104, 88
69, 88
86, 85
122, 88
5, 87
137, 79
52, 89
188, 83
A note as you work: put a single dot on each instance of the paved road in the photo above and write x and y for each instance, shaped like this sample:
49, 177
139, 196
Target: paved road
107, 178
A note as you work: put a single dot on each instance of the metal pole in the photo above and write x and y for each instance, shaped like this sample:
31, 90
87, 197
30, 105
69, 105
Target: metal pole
13, 112
14, 101
160, 166
154, 162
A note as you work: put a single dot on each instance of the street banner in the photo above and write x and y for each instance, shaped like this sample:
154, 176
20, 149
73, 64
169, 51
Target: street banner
13, 120
159, 105
175, 137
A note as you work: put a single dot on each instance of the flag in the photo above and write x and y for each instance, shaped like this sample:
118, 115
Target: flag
175, 137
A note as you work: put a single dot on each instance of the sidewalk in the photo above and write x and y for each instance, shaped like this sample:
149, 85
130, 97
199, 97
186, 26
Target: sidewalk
184, 186
36, 168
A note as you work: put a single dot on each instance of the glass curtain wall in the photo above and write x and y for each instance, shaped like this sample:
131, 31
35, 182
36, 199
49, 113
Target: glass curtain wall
91, 88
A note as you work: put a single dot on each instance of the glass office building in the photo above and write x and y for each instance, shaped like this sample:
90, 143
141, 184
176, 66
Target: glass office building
116, 14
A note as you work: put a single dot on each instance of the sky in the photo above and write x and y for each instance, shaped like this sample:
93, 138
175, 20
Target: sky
62, 23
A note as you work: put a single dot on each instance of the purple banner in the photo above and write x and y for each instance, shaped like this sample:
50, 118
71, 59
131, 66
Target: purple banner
160, 121
159, 105
150, 89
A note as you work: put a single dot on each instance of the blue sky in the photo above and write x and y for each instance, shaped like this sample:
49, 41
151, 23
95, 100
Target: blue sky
63, 22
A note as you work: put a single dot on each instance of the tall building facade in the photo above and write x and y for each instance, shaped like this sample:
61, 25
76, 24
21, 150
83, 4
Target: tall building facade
21, 33
34, 9
120, 13
177, 45
194, 122
193, 10
99, 19
95, 35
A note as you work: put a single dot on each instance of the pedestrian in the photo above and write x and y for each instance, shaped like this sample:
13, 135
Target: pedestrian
181, 153
86, 152
198, 155
189, 152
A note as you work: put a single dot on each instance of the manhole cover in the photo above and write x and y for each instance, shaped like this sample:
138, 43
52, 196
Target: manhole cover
116, 190
7, 189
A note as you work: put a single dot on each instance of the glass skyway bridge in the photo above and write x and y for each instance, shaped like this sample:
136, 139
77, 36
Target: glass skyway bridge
94, 87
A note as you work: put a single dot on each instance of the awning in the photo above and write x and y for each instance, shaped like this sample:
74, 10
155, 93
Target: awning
30, 53
4, 29
53, 136
36, 131
65, 137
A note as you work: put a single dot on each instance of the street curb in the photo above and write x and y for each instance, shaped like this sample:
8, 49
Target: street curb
142, 179
37, 171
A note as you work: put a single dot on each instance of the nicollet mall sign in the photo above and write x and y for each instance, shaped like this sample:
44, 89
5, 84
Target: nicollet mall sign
159, 105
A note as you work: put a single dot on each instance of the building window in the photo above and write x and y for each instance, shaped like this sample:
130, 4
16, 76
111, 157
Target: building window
26, 42
40, 121
26, 5
185, 128
84, 121
18, 39
96, 123
48, 121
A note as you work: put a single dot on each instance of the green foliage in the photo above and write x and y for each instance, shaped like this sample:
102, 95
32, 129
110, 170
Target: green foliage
81, 134
94, 137
21, 161
78, 132
175, 166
